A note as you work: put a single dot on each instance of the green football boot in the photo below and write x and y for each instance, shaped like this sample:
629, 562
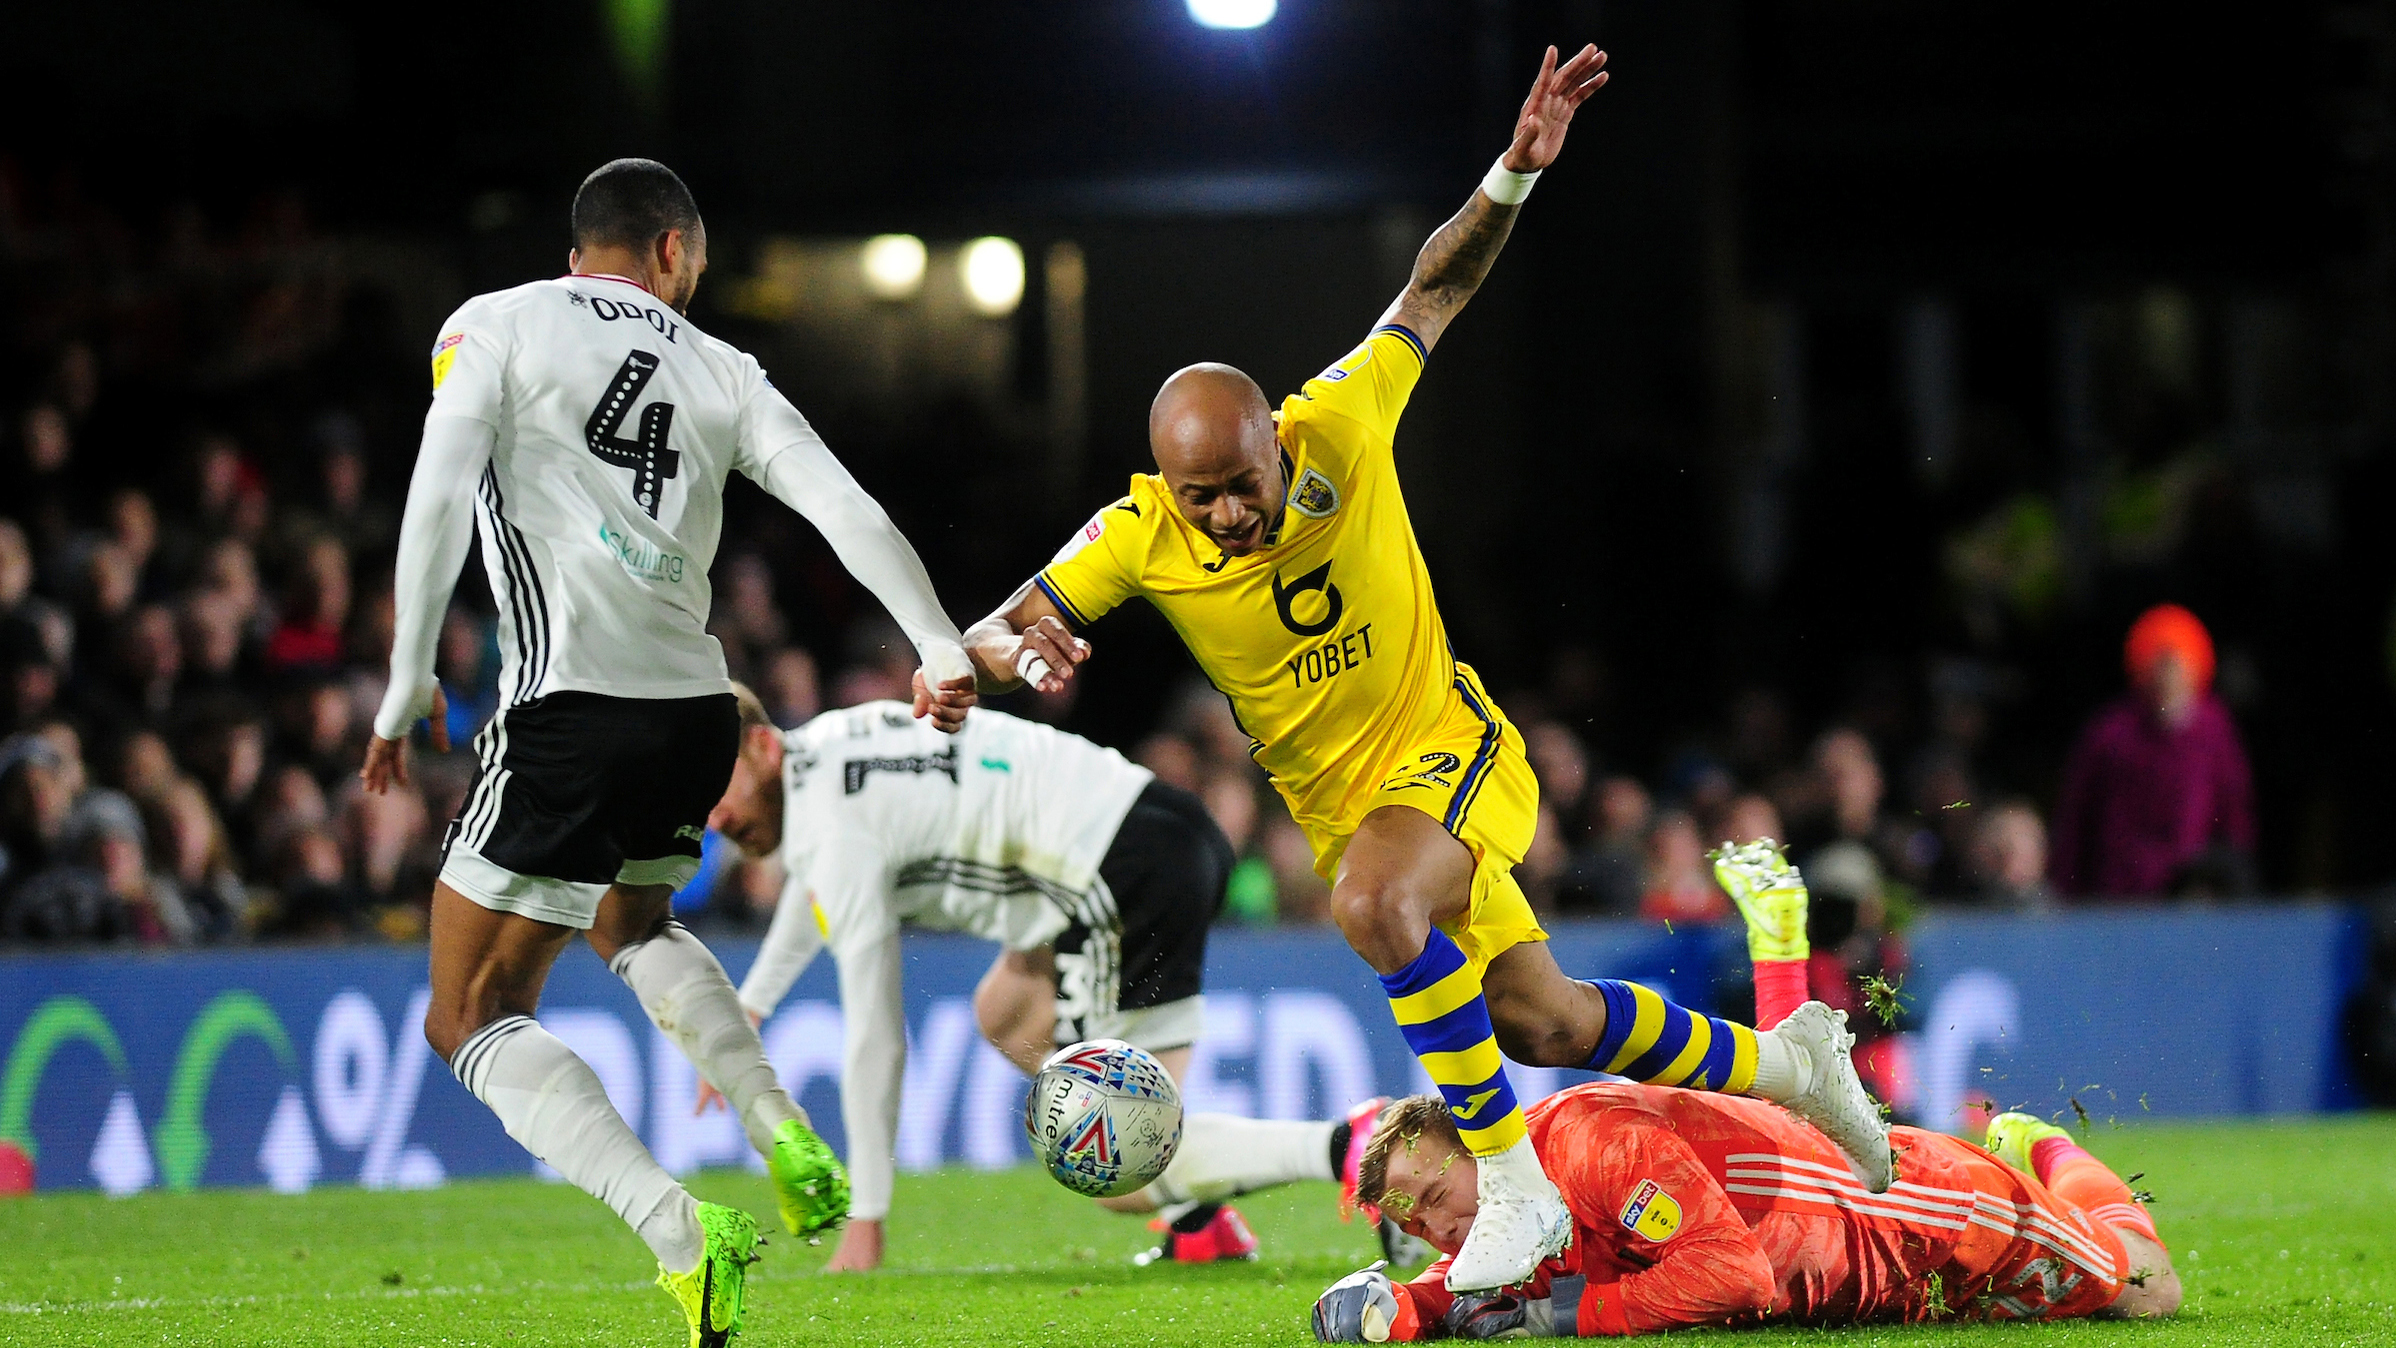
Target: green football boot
714, 1296
809, 1183
1770, 894
2011, 1136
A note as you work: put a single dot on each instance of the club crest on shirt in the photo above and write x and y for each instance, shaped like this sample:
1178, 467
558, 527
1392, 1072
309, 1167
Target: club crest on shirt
1652, 1213
445, 354
1314, 496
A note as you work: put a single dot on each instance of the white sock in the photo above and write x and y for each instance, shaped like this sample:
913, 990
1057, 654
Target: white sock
686, 994
1518, 1166
1223, 1156
1782, 1071
551, 1102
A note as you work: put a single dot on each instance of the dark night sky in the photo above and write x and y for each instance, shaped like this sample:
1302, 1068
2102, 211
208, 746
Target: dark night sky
1842, 155
1871, 135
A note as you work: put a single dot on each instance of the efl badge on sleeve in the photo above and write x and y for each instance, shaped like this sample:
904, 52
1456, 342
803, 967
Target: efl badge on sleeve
444, 355
1082, 538
1348, 365
1652, 1213
1314, 496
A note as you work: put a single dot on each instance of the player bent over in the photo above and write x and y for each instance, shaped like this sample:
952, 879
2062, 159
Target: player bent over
1279, 546
584, 429
1706, 1210
1097, 881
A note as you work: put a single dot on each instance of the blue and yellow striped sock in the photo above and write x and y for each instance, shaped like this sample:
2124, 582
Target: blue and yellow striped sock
1437, 1000
1665, 1044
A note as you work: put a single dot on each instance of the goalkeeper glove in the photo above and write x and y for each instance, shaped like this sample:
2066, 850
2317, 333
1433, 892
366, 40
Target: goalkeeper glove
1509, 1314
1358, 1308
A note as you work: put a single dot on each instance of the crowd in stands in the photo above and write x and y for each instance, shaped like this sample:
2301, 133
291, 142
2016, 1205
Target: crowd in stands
2156, 801
194, 623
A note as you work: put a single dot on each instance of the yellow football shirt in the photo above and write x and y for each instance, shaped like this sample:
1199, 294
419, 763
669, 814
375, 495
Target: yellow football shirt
1327, 640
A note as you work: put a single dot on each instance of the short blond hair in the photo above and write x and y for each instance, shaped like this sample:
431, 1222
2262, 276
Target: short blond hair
1402, 1123
752, 708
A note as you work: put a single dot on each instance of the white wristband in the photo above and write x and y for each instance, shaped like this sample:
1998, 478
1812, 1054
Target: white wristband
1506, 187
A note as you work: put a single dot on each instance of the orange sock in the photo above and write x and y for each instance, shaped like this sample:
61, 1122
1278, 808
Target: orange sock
1779, 989
2088, 1184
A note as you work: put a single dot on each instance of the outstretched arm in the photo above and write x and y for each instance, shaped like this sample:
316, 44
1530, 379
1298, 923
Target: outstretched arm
1458, 256
784, 455
1026, 641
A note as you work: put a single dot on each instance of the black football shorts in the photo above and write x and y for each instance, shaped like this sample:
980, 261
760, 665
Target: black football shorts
574, 792
1132, 968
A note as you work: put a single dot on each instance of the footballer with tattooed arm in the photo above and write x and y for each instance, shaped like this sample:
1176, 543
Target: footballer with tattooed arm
1278, 543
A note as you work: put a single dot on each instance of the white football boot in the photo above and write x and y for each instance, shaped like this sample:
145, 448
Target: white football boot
1834, 1099
1522, 1223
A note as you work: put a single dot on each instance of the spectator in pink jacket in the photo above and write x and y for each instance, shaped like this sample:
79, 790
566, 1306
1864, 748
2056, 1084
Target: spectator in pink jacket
2158, 797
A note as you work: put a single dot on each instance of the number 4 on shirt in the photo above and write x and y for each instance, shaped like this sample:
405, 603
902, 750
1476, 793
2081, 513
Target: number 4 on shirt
648, 458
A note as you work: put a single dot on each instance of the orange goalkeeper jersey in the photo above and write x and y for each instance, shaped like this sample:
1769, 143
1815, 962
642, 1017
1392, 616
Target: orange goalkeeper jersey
1693, 1208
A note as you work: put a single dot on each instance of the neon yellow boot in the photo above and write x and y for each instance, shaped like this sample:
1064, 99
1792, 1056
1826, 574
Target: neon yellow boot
809, 1183
1770, 894
2010, 1137
714, 1296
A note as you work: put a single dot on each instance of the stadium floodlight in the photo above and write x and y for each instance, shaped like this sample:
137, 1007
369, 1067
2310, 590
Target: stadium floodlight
1233, 13
993, 271
893, 266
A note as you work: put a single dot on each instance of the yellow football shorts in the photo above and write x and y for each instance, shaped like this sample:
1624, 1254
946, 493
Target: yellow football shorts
1472, 775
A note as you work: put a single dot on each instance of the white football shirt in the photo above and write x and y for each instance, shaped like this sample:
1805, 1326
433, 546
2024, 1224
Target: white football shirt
997, 831
602, 500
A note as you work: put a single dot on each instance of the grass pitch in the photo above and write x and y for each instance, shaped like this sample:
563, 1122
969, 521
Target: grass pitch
2284, 1233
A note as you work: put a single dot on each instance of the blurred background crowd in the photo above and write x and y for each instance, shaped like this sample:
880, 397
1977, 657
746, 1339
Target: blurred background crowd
1861, 516
195, 614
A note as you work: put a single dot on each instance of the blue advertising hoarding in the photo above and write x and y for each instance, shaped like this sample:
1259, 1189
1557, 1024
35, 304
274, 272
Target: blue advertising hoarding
296, 1067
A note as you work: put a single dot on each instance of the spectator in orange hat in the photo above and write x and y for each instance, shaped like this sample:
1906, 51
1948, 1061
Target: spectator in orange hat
2158, 797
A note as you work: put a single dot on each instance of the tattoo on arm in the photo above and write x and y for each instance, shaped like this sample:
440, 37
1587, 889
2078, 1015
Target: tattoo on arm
1451, 266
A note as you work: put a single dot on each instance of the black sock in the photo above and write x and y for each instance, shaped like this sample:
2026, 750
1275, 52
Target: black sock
1340, 1133
1194, 1221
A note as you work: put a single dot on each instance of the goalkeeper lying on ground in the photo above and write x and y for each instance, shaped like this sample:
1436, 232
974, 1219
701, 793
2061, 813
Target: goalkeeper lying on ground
1694, 1208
